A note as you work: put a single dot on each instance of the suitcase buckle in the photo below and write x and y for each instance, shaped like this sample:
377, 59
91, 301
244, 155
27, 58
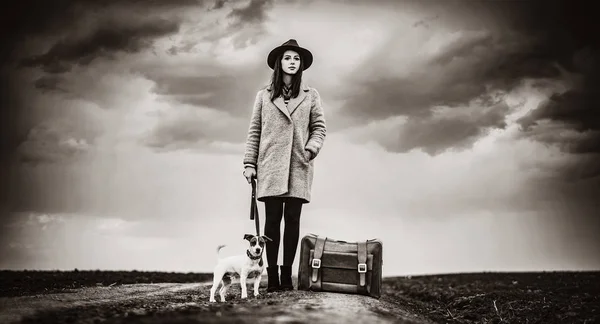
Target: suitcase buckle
316, 263
362, 268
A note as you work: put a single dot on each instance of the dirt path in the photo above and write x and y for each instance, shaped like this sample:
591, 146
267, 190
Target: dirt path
188, 303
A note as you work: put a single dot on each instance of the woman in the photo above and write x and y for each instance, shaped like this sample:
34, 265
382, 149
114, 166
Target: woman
286, 133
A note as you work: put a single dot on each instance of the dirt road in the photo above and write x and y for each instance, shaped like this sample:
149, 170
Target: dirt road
188, 303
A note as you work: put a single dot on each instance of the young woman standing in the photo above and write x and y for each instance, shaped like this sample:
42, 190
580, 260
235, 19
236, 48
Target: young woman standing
287, 131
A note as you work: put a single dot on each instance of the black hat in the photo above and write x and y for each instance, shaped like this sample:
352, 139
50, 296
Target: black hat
306, 55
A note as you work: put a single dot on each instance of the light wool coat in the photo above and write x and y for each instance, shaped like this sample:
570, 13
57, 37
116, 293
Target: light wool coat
278, 140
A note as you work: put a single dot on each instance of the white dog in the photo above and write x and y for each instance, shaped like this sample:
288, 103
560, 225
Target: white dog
250, 265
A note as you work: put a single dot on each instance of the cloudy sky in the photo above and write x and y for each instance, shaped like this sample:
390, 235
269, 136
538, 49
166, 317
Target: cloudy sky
460, 133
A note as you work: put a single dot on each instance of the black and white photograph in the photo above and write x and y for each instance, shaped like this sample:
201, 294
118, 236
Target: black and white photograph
299, 161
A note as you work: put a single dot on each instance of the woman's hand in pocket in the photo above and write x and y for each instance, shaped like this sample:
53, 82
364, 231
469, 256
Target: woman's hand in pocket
309, 154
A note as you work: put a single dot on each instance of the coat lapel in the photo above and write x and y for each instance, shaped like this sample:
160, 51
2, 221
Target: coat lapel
281, 105
294, 102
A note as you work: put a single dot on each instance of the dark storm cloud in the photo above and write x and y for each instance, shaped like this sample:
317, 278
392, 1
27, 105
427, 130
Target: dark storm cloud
230, 97
193, 131
56, 34
570, 120
38, 18
255, 12
105, 41
436, 135
464, 74
469, 68
225, 92
576, 110
245, 24
522, 40
219, 4
100, 29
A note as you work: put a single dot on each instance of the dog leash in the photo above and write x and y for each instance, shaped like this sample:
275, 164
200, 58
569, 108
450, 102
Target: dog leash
254, 208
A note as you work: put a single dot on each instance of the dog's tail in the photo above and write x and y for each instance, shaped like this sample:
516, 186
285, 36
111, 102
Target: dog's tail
219, 248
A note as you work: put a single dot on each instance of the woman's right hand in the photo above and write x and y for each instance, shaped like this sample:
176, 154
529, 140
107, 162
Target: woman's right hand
249, 173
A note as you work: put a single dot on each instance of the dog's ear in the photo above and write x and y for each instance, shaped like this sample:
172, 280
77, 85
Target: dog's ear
267, 238
248, 237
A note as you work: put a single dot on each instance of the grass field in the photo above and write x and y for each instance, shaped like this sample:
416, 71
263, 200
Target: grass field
549, 297
545, 297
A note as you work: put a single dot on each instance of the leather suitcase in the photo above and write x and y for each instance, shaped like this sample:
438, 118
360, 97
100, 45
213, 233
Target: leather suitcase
339, 266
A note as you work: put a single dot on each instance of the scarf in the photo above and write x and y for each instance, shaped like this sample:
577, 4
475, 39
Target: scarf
287, 93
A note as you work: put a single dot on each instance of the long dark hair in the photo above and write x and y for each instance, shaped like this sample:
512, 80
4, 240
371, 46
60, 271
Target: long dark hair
277, 79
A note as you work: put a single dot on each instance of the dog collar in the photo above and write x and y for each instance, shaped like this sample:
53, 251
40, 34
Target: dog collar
252, 257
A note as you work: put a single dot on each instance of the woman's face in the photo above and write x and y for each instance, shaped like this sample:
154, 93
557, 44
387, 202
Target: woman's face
290, 62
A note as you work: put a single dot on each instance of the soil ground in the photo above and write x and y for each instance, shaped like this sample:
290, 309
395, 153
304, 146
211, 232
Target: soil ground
152, 297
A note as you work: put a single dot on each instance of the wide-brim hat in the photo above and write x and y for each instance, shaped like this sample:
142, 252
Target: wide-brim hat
292, 44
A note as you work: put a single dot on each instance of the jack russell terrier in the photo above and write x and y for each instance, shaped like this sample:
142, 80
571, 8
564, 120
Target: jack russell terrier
247, 266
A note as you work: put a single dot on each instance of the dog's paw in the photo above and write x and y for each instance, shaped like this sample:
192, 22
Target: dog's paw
212, 301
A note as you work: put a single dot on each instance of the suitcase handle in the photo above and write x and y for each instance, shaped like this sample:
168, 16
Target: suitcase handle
330, 239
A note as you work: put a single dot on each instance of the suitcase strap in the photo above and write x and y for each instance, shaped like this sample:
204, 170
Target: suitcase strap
362, 262
316, 262
362, 266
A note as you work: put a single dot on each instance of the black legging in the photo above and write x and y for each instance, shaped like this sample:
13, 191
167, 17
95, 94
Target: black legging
274, 211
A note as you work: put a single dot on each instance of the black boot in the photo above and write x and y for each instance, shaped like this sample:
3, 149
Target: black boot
286, 278
273, 277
